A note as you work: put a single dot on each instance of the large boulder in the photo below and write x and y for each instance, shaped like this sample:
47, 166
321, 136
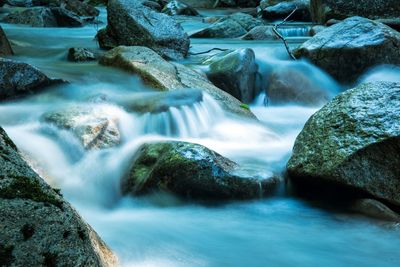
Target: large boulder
5, 47
20, 79
234, 71
347, 49
163, 75
94, 125
353, 144
132, 23
324, 10
176, 7
37, 226
44, 17
191, 171
284, 9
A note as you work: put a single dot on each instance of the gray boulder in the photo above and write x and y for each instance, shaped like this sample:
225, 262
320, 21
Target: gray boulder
176, 7
190, 171
37, 226
95, 126
163, 75
234, 71
260, 33
324, 10
347, 49
132, 23
353, 143
5, 47
20, 79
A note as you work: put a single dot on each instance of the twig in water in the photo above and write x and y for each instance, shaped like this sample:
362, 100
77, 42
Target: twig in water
275, 29
208, 51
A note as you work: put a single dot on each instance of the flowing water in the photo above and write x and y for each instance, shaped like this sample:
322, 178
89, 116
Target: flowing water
161, 230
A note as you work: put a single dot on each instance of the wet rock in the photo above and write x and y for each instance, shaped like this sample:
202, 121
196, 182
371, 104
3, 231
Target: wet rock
260, 33
231, 26
284, 9
157, 102
44, 17
317, 29
80, 8
163, 75
238, 3
19, 3
191, 171
289, 85
323, 10
132, 23
80, 54
5, 47
105, 40
234, 71
353, 143
200, 3
227, 28
95, 126
374, 209
347, 49
37, 226
20, 79
175, 7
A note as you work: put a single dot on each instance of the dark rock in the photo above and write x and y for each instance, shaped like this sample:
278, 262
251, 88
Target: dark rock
80, 54
353, 143
44, 17
324, 10
131, 23
105, 40
234, 71
374, 209
5, 47
347, 49
190, 171
284, 9
80, 8
34, 218
163, 75
20, 79
95, 126
175, 7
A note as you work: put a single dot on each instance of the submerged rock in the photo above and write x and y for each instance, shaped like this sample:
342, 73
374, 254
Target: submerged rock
37, 226
132, 23
80, 54
353, 142
288, 85
95, 126
175, 7
163, 75
284, 9
374, 209
324, 10
191, 171
157, 102
44, 17
5, 47
234, 71
20, 79
347, 49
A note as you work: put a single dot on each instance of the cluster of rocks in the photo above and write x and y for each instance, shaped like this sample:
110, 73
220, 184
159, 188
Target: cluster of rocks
51, 13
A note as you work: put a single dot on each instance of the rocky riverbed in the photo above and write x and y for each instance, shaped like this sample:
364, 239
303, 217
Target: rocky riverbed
199, 133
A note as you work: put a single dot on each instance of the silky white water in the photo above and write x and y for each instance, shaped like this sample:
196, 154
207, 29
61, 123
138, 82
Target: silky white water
161, 230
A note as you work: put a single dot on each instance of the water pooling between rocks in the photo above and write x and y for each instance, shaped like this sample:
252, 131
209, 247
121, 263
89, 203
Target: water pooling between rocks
161, 230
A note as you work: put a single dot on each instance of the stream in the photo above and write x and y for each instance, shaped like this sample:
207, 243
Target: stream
161, 230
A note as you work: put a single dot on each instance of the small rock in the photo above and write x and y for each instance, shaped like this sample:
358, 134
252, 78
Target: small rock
175, 7
80, 54
284, 9
375, 209
260, 33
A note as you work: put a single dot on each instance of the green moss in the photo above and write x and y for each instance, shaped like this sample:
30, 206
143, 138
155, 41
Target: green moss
245, 106
25, 188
